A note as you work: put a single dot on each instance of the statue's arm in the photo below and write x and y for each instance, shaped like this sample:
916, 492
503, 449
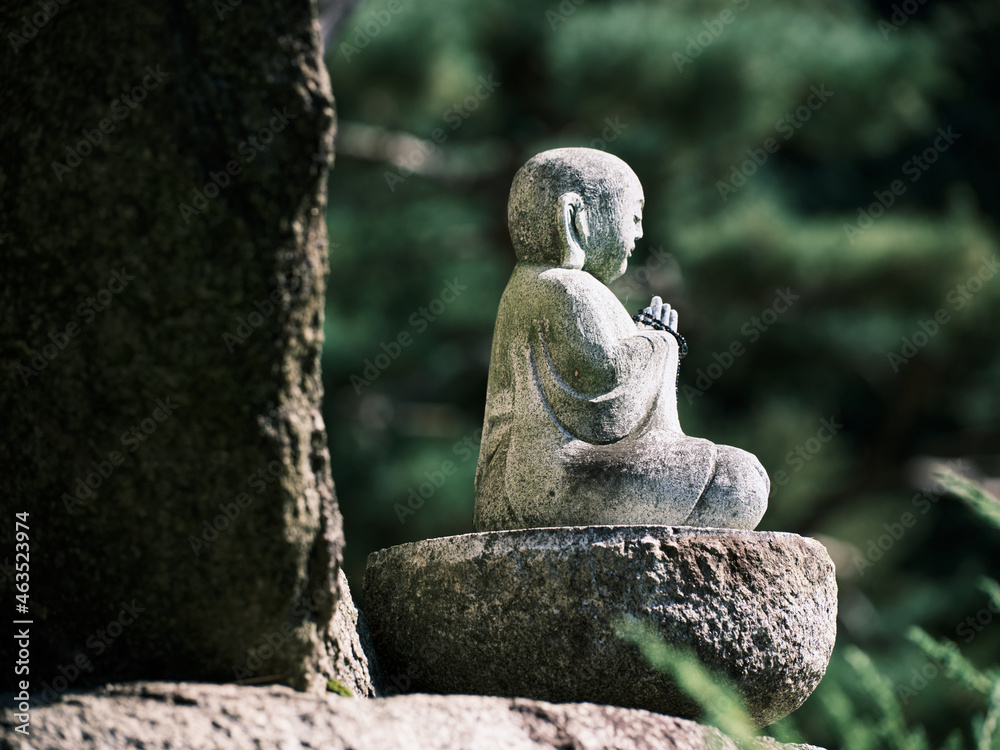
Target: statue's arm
594, 354
599, 384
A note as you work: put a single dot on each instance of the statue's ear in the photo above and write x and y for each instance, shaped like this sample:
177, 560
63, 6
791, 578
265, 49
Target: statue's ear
573, 229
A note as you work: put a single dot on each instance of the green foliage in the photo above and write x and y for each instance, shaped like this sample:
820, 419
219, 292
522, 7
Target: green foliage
982, 502
871, 713
873, 718
418, 196
957, 667
890, 726
713, 693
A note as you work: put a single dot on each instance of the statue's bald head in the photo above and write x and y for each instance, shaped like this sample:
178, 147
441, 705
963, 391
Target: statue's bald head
605, 183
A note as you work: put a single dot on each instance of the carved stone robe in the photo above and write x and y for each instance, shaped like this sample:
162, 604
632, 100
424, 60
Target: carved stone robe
581, 420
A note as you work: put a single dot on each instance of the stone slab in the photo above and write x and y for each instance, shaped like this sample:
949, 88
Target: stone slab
161, 341
227, 717
533, 613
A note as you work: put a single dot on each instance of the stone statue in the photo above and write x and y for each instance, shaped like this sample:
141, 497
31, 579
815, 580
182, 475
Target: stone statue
581, 422
581, 434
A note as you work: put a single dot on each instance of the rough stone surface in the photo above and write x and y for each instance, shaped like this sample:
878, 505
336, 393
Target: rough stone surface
767, 743
227, 717
163, 320
581, 421
533, 613
350, 648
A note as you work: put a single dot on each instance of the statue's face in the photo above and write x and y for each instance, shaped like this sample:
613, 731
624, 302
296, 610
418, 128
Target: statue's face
612, 244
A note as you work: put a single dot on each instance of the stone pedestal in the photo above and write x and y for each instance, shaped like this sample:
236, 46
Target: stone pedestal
534, 613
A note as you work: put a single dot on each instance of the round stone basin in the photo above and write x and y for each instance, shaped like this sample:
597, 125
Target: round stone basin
534, 613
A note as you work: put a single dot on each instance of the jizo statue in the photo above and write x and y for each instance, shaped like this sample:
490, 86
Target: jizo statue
581, 422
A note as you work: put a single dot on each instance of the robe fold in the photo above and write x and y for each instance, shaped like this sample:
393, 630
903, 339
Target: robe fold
581, 417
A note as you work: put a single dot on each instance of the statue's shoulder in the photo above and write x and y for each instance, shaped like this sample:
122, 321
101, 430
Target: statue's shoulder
571, 281
552, 292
